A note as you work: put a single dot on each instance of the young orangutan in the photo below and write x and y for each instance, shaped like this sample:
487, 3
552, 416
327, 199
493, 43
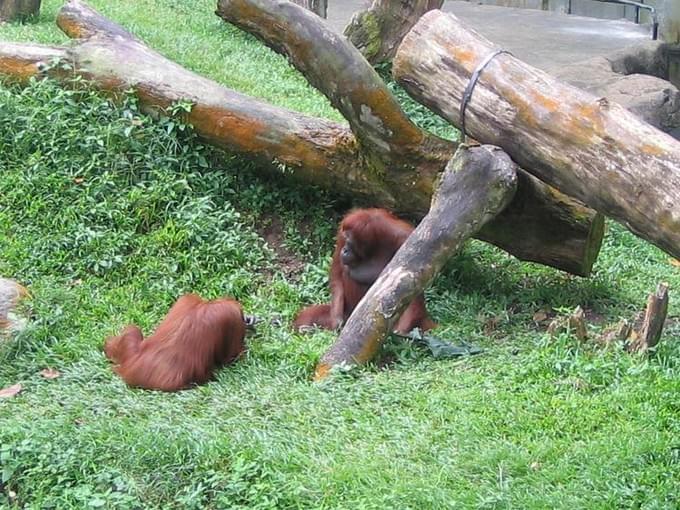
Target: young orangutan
367, 240
195, 337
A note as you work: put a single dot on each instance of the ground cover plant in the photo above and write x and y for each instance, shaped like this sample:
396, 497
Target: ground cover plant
109, 215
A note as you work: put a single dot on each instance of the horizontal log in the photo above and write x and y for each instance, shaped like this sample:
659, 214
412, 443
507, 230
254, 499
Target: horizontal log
587, 147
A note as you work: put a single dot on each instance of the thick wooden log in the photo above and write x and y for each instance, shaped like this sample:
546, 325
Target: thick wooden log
318, 7
18, 9
587, 147
339, 71
377, 31
476, 185
542, 226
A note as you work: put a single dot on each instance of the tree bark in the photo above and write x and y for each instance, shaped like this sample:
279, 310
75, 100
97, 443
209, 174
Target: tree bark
396, 171
377, 31
18, 9
476, 185
318, 7
587, 147
544, 226
648, 334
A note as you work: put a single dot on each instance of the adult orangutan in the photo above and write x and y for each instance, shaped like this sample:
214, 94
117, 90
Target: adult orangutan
195, 337
367, 240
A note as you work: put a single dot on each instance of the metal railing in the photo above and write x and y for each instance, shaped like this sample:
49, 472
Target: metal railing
638, 5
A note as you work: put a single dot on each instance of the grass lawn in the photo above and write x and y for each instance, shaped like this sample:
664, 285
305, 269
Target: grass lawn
108, 216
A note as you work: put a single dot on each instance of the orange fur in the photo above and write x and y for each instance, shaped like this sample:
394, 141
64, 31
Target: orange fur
195, 337
375, 235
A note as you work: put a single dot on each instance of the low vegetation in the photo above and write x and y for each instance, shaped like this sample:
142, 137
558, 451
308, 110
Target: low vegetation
109, 215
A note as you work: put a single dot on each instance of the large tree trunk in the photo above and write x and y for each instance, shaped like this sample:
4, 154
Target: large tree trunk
476, 185
318, 7
378, 30
587, 147
381, 159
18, 9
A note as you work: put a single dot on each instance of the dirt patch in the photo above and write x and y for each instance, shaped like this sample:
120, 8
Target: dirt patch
272, 231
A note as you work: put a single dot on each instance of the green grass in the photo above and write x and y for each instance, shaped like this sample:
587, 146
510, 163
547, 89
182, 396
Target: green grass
109, 216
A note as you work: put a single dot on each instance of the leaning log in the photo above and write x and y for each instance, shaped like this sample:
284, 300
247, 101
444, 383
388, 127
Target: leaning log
476, 185
585, 146
381, 159
377, 31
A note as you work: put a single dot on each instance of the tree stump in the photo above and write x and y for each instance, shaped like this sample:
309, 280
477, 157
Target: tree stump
377, 31
648, 333
11, 10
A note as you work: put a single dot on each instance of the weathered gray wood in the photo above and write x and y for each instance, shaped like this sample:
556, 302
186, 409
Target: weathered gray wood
377, 31
318, 7
339, 71
476, 185
542, 225
648, 334
585, 146
18, 9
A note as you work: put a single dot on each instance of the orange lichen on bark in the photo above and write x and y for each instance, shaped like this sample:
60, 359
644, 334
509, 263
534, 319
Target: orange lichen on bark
235, 130
467, 58
652, 150
550, 104
71, 27
321, 372
18, 69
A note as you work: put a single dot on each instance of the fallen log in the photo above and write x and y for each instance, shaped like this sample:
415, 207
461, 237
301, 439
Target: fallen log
377, 31
381, 159
476, 185
587, 147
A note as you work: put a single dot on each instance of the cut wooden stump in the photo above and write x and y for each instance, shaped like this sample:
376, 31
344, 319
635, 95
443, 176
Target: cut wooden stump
377, 31
575, 324
648, 333
476, 185
587, 147
11, 10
